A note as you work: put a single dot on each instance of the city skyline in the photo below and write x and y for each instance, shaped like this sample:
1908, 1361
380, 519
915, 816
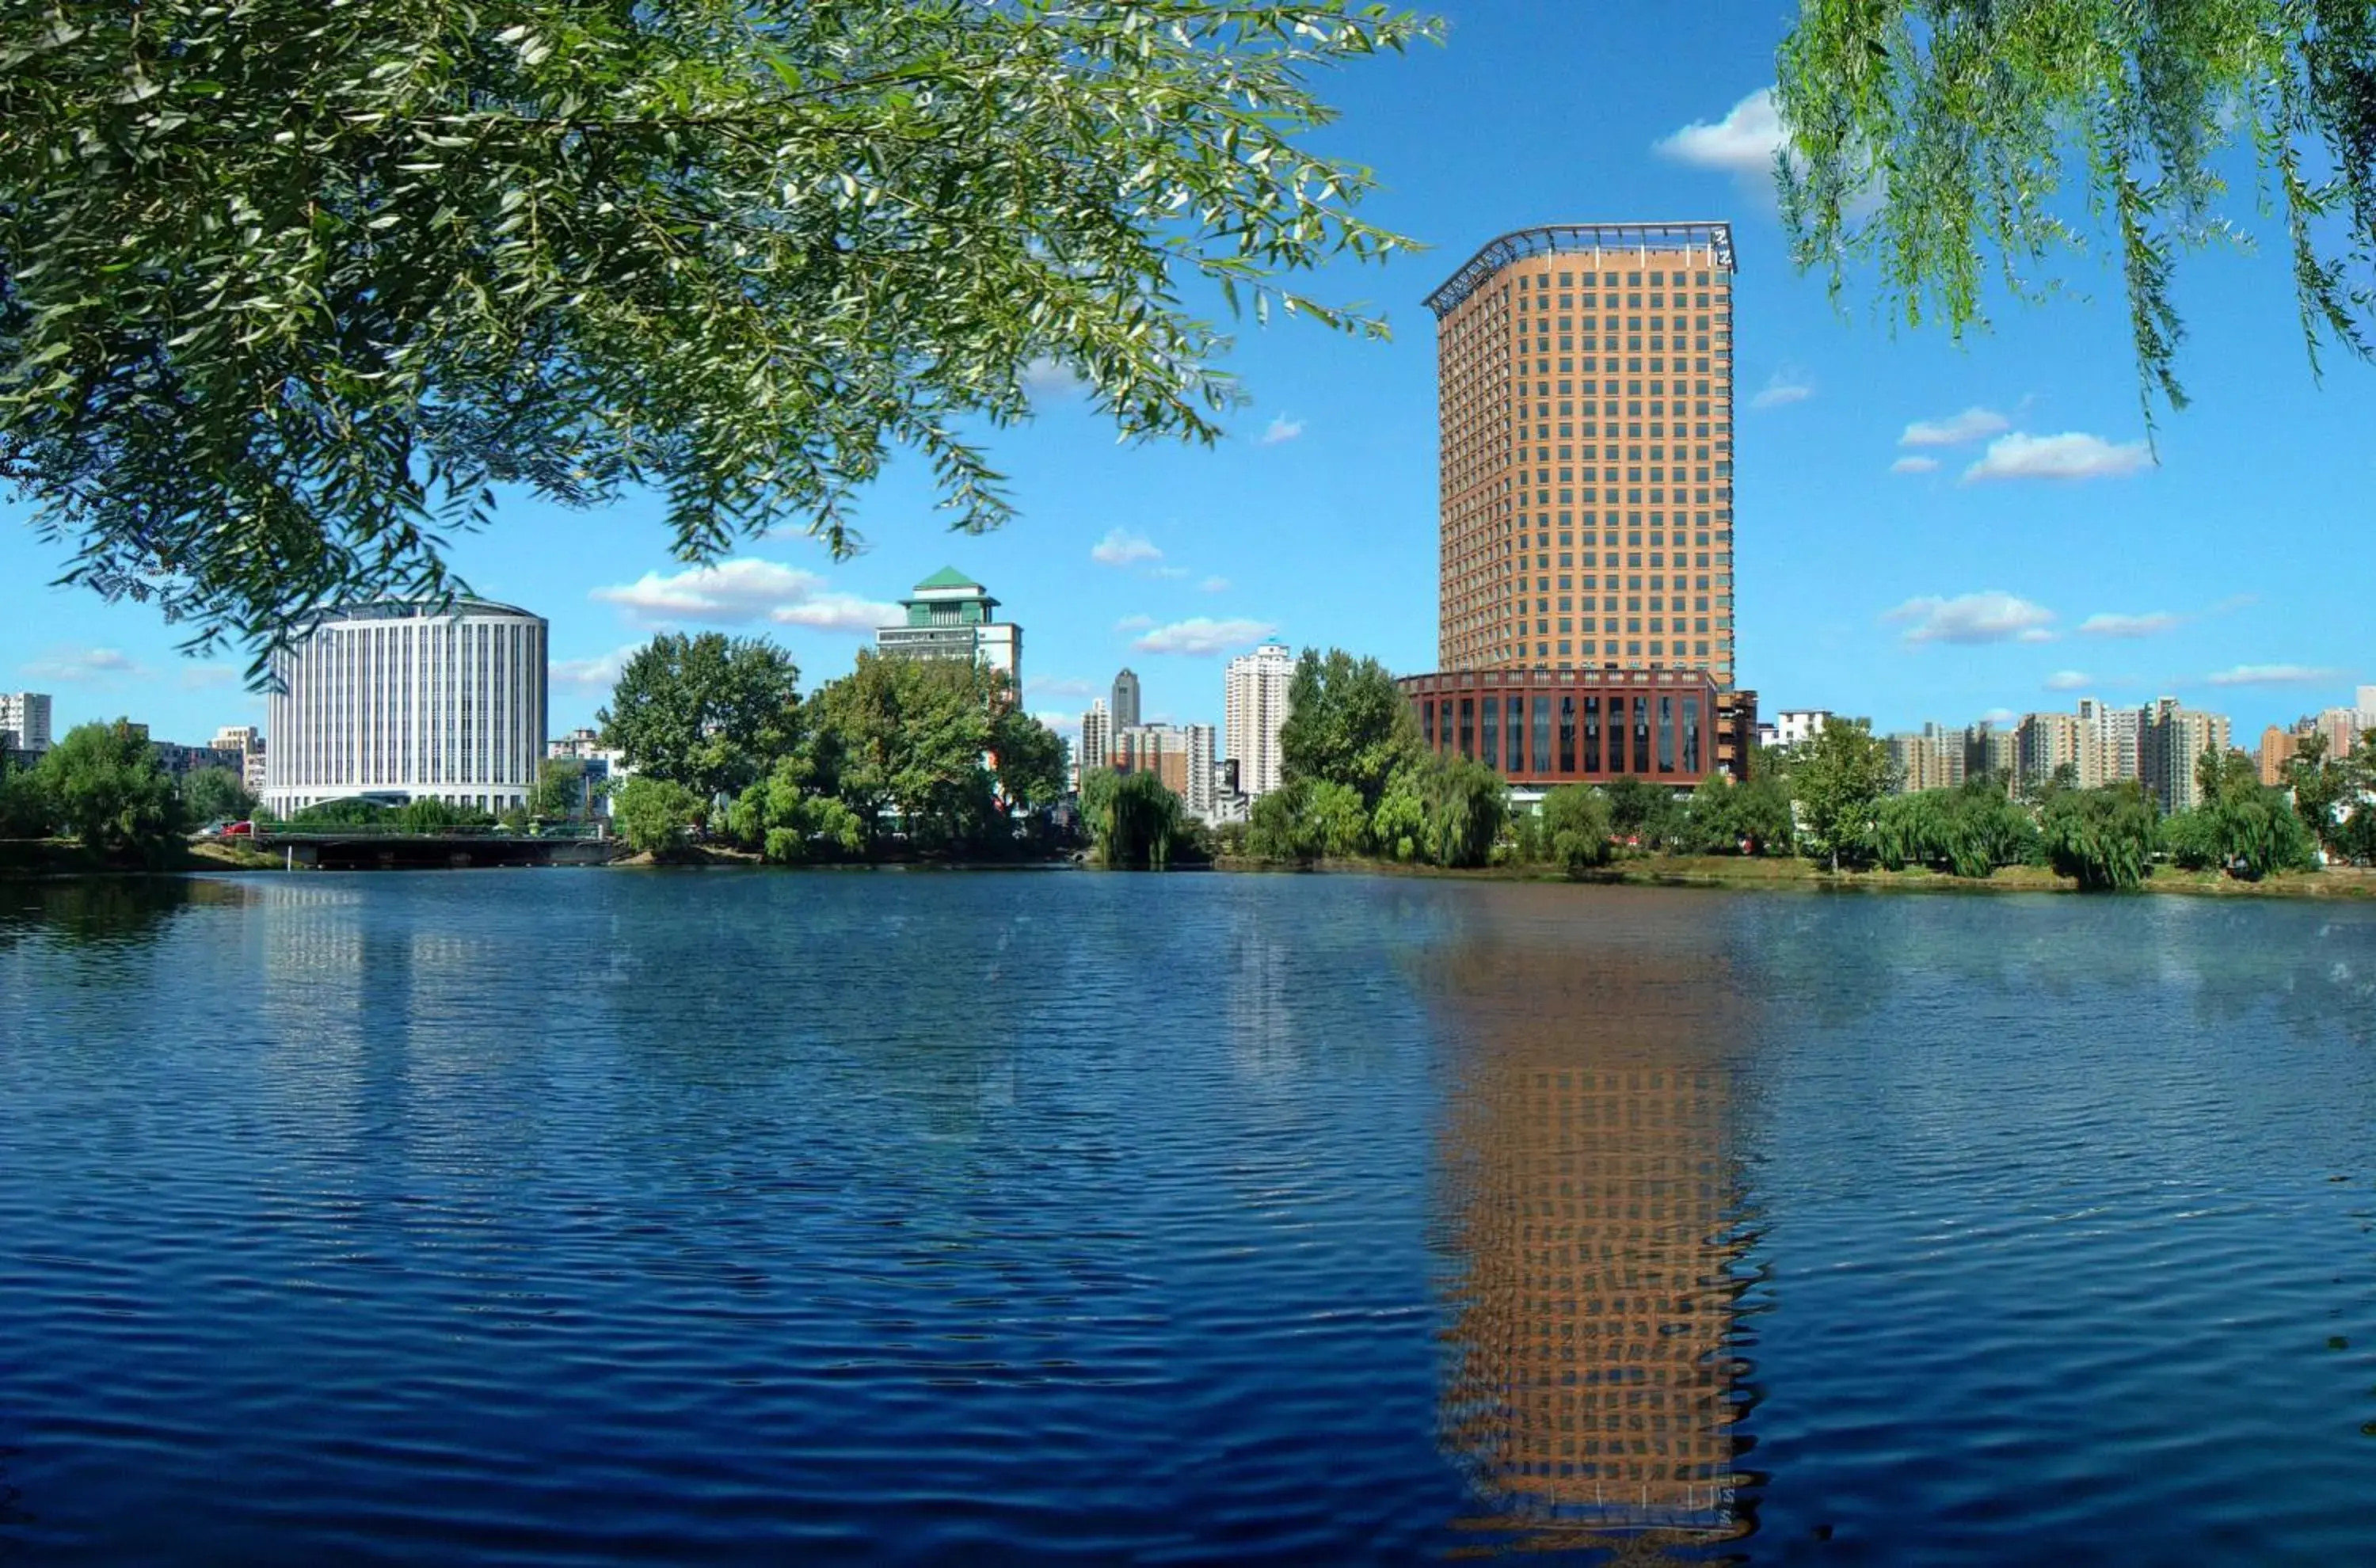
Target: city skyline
1927, 529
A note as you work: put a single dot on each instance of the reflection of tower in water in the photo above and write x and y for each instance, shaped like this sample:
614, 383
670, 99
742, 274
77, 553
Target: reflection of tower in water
1591, 1193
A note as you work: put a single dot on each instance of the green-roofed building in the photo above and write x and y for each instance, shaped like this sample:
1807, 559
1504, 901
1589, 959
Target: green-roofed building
951, 617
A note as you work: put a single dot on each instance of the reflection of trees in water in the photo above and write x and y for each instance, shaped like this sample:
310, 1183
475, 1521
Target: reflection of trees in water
2311, 964
104, 911
1591, 1202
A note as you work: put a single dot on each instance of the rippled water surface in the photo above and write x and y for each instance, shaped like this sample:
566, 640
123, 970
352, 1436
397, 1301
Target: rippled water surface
555, 1216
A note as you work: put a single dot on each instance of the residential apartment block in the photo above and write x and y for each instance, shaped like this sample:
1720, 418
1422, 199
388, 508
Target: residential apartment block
25, 721
1253, 709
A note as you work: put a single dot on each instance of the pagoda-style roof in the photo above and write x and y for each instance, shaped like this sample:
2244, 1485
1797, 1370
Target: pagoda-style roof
947, 577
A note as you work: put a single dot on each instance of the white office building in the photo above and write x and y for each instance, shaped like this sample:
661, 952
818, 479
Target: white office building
404, 701
951, 617
1253, 709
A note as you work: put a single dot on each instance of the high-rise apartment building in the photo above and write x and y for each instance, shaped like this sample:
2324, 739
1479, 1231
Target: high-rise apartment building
2109, 742
1125, 700
25, 716
2278, 747
2171, 741
1253, 709
2044, 743
1585, 385
1096, 737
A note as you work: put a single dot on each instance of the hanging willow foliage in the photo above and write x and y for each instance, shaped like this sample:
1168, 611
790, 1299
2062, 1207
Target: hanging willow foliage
1933, 138
287, 287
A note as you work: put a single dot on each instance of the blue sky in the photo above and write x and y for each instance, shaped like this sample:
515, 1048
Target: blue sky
1903, 550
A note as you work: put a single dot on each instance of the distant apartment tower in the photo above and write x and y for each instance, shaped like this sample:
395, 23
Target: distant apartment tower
2044, 743
1253, 709
25, 721
2172, 740
1096, 737
2278, 747
951, 617
1180, 756
1930, 758
2110, 743
248, 741
1125, 700
1585, 383
411, 700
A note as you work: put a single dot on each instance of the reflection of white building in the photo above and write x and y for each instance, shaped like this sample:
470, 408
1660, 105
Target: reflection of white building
951, 617
410, 700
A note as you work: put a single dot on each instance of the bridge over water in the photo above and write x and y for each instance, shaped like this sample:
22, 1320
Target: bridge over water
374, 846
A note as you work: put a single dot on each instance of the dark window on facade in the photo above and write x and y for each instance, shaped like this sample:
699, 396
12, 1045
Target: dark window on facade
1427, 720
1492, 737
1641, 734
1665, 735
1691, 733
1517, 733
1468, 726
1567, 735
1592, 734
1542, 735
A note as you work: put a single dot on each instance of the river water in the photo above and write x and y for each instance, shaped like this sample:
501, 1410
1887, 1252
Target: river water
559, 1216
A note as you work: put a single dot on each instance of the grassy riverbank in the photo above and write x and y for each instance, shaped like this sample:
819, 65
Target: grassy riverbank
1734, 871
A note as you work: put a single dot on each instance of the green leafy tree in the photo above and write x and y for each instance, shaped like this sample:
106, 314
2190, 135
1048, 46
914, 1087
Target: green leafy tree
652, 815
1339, 822
255, 357
1467, 804
906, 739
1277, 826
710, 712
2319, 783
105, 785
560, 790
1933, 137
216, 794
25, 809
1760, 808
1030, 759
426, 814
1646, 814
1837, 778
1398, 827
1139, 823
1969, 830
1346, 723
2104, 837
1575, 827
783, 819
2242, 825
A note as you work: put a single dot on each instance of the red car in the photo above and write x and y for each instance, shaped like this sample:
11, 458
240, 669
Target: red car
240, 830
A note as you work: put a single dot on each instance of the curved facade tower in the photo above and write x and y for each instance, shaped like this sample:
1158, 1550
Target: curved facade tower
1585, 379
443, 701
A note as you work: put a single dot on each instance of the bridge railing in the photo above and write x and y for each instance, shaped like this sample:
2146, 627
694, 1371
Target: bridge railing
303, 832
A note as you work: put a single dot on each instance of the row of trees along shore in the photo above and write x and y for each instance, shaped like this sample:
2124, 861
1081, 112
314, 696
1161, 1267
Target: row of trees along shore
103, 786
1357, 782
899, 758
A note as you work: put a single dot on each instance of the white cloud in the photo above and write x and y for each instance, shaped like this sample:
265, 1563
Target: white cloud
1065, 724
92, 666
1972, 425
1060, 686
1122, 548
1215, 584
2072, 455
1782, 388
1742, 144
1281, 429
599, 674
2154, 624
1913, 465
1045, 379
743, 592
1200, 636
204, 677
1999, 716
1991, 617
2276, 676
2069, 680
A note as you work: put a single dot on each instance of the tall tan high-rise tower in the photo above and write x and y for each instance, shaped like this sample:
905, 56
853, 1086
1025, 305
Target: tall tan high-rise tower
1585, 392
